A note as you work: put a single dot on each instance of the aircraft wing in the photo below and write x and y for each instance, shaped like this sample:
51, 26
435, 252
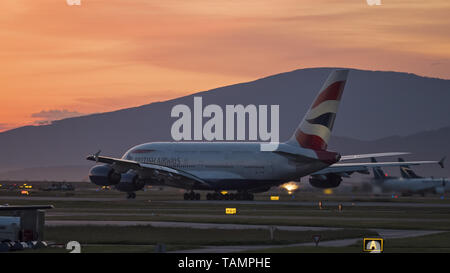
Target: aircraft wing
170, 176
361, 156
345, 169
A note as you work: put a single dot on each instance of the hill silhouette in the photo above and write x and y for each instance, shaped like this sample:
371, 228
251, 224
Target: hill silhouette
380, 111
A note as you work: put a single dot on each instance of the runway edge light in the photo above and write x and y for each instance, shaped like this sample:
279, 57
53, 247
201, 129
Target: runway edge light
230, 210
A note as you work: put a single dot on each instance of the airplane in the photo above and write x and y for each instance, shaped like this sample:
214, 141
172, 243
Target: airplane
408, 173
409, 183
244, 167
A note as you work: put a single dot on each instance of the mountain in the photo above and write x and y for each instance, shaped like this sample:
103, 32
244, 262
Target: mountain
74, 173
380, 111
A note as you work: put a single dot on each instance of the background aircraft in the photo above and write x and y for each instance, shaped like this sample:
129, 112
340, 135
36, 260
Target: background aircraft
409, 183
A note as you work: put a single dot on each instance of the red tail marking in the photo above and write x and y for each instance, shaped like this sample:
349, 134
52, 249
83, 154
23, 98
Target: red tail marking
310, 141
332, 92
328, 157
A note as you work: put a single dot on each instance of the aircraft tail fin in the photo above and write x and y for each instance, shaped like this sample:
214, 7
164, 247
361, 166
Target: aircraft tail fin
315, 129
406, 171
378, 173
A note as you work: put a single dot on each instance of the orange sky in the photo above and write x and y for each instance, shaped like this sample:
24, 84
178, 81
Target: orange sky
60, 61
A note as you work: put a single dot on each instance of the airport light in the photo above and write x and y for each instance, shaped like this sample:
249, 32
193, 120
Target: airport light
290, 187
230, 210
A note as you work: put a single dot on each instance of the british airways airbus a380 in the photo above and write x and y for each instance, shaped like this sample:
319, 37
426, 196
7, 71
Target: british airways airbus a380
244, 167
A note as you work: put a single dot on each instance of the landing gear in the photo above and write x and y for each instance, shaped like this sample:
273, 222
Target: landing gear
246, 196
219, 196
191, 196
230, 196
131, 195
211, 196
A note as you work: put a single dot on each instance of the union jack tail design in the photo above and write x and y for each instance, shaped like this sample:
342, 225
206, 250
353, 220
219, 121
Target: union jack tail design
315, 129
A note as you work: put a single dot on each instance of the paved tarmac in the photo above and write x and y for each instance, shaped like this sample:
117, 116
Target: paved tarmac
325, 203
178, 225
206, 202
384, 233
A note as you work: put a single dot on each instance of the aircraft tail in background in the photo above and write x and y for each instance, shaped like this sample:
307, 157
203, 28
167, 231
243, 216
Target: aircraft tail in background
406, 171
378, 173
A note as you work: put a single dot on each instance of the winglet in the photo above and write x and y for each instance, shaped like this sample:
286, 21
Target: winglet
94, 157
441, 162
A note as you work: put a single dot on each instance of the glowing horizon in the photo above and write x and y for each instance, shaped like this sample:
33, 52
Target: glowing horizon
61, 61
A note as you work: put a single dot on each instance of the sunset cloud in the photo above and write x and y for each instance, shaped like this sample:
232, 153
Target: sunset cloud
46, 117
110, 54
4, 126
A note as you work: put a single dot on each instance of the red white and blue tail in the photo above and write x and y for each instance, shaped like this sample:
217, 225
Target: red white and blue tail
315, 129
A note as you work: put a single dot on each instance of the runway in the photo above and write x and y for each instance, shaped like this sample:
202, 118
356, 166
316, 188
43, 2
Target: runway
204, 227
206, 202
212, 216
193, 225
315, 204
384, 233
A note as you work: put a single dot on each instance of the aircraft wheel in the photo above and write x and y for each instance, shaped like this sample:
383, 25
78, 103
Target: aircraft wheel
191, 195
208, 196
246, 196
186, 196
238, 196
215, 196
197, 196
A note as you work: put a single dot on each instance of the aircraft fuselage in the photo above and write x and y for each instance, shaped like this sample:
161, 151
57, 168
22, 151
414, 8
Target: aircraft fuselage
226, 165
415, 185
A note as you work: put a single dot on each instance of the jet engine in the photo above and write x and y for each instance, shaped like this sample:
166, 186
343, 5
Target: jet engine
104, 175
130, 182
330, 180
